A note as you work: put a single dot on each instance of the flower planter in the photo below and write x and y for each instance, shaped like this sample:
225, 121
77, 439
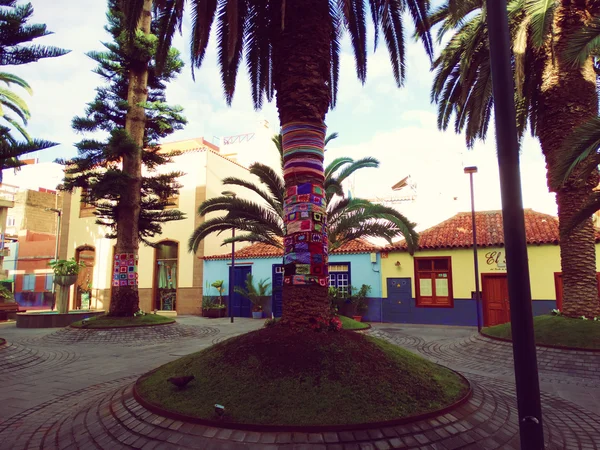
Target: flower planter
357, 318
257, 314
213, 313
63, 281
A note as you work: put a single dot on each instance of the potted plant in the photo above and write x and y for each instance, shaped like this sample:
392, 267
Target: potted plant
360, 299
65, 274
210, 308
256, 294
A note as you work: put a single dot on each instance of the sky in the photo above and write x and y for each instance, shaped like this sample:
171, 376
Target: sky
396, 125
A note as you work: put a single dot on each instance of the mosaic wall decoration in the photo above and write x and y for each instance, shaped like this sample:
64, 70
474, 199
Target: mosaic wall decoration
305, 242
125, 271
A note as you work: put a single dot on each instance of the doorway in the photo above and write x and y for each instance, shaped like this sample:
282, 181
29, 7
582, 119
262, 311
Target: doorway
496, 307
85, 278
397, 306
242, 307
166, 276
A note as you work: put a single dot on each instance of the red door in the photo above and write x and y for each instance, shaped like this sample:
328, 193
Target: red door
496, 308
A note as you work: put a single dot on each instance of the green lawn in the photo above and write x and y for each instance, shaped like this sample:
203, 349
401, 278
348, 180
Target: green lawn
116, 322
556, 330
351, 324
275, 376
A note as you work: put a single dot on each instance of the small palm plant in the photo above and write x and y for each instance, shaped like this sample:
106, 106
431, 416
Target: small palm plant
255, 294
218, 285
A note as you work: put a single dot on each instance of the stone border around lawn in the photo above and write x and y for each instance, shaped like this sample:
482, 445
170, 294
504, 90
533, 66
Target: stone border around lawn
558, 347
299, 428
171, 322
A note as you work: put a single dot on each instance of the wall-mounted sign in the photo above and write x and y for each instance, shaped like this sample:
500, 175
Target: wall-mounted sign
495, 260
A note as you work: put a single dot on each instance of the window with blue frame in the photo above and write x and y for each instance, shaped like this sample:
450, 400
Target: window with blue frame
48, 283
29, 282
339, 276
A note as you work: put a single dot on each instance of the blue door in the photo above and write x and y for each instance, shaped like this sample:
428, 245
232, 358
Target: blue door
242, 307
277, 290
397, 305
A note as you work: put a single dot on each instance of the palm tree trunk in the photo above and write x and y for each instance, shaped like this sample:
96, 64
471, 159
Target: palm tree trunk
301, 65
124, 299
568, 99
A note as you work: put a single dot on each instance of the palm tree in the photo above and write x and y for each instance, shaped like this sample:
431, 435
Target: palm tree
15, 37
11, 149
552, 95
292, 48
348, 218
581, 147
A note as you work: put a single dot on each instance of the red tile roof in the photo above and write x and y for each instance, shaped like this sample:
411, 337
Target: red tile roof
260, 250
457, 231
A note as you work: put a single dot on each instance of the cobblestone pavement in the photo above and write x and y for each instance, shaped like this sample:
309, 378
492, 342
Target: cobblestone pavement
64, 392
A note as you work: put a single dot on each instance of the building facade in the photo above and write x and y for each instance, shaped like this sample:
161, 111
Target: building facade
170, 278
437, 284
351, 265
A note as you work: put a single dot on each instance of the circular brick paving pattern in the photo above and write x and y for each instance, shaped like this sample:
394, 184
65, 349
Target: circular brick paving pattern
15, 357
398, 337
481, 354
108, 417
128, 337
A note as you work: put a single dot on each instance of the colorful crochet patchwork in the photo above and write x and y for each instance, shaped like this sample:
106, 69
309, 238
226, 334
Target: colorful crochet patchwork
125, 270
305, 242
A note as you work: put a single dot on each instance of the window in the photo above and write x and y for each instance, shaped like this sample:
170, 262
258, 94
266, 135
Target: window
85, 209
10, 221
29, 282
433, 280
48, 282
339, 277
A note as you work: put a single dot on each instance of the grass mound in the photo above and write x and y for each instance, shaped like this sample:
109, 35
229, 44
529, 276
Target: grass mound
118, 322
2, 341
351, 324
275, 376
556, 330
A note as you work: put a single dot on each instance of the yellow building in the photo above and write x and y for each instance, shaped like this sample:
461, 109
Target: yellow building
170, 278
437, 284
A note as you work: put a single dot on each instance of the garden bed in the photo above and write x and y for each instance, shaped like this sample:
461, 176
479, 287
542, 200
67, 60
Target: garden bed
275, 377
102, 322
555, 331
353, 325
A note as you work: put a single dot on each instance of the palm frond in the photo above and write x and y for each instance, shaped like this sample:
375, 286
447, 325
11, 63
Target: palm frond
581, 153
583, 44
541, 13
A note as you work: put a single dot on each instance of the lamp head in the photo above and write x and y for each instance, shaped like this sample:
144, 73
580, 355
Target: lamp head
229, 194
471, 169
56, 210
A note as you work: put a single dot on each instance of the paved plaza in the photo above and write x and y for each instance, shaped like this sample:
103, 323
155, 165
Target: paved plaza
72, 389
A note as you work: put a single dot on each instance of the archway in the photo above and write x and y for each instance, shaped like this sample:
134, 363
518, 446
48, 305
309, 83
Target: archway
166, 276
85, 279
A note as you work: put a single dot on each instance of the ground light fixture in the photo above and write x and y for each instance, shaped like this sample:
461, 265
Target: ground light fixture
231, 194
513, 220
471, 170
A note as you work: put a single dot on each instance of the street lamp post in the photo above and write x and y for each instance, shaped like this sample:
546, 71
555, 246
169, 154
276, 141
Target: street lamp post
58, 219
471, 170
231, 194
513, 220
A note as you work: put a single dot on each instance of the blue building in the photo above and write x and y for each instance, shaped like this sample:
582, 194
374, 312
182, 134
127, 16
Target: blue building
353, 264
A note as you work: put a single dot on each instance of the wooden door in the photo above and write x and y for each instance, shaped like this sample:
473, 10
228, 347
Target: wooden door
397, 306
496, 307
